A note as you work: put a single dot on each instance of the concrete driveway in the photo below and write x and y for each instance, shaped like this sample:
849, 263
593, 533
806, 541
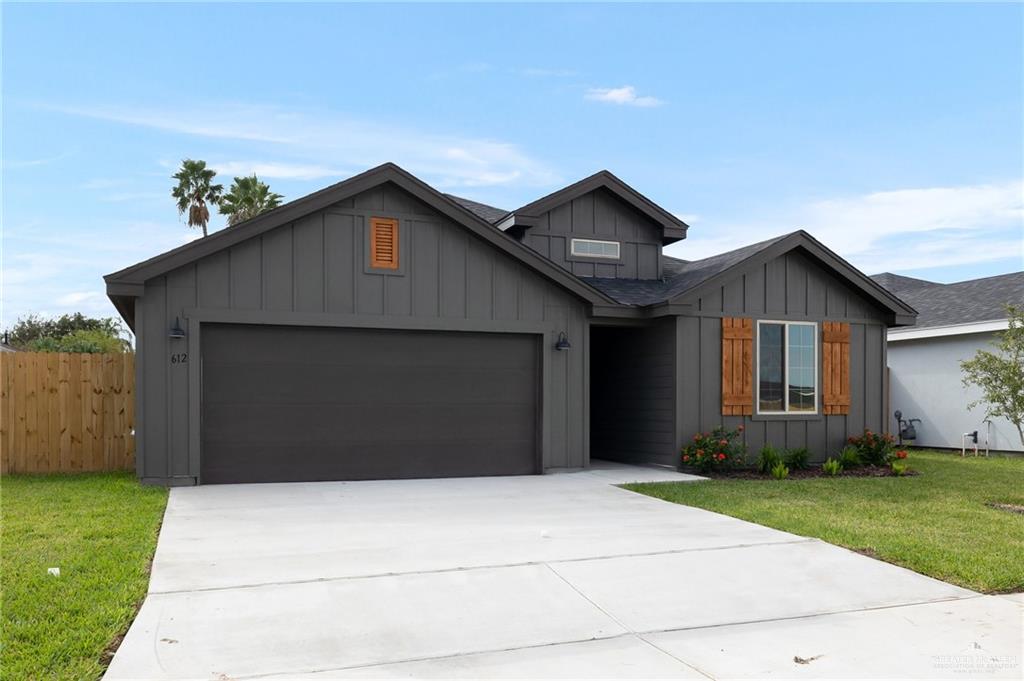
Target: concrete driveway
561, 575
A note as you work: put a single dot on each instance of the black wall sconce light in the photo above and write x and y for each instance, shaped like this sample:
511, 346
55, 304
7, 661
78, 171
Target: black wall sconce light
176, 330
563, 342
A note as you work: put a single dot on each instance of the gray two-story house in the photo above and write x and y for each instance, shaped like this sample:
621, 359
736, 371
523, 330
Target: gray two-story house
381, 329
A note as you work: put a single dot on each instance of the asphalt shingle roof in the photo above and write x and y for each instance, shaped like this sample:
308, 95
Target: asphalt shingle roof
679, 276
481, 210
975, 300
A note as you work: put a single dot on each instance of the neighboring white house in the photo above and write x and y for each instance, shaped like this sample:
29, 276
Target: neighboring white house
955, 321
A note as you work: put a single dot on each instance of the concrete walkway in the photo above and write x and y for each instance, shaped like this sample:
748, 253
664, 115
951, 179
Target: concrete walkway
556, 576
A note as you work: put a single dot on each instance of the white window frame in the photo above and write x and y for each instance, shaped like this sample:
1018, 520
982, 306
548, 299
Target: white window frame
785, 364
575, 254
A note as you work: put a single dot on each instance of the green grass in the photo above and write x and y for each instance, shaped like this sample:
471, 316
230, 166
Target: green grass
935, 523
100, 530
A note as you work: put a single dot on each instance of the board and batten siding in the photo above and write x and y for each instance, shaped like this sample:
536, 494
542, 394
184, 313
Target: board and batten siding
315, 270
789, 288
599, 215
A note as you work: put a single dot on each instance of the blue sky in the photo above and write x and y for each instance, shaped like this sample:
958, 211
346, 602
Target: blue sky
891, 132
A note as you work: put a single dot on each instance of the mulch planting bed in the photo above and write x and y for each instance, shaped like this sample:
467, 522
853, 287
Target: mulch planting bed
814, 472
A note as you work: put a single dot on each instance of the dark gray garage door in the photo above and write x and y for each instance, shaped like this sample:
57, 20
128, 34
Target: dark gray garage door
301, 403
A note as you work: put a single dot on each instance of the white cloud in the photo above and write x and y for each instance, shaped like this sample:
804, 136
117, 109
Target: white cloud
78, 297
270, 169
623, 96
891, 230
48, 272
318, 141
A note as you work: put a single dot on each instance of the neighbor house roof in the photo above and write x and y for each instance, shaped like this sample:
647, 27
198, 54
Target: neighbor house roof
962, 307
672, 228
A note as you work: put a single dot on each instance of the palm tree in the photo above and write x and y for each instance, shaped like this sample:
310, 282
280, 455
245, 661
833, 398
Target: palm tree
247, 198
194, 191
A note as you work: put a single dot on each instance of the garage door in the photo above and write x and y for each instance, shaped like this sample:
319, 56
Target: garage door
301, 403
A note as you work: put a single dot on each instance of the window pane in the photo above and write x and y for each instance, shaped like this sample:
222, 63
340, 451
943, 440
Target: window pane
802, 370
770, 370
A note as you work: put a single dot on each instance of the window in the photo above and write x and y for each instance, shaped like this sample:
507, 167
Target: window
591, 248
384, 243
787, 368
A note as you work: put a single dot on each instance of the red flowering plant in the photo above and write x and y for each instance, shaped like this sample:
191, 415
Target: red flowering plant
876, 449
719, 450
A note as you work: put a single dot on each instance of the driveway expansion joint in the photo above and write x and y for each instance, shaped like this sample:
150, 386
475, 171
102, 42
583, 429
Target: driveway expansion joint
495, 566
622, 624
826, 613
628, 632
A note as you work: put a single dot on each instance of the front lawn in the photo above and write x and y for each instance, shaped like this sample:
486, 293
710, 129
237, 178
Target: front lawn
936, 523
100, 530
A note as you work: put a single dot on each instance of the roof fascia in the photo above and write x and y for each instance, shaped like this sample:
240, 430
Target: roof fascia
902, 314
673, 229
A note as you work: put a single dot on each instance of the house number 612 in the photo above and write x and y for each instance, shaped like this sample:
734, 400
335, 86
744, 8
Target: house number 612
179, 358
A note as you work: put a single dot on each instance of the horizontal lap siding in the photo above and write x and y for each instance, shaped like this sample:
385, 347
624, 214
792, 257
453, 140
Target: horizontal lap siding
789, 287
633, 393
318, 265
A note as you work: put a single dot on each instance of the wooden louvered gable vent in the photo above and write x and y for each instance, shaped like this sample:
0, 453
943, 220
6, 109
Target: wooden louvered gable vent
737, 366
835, 367
384, 243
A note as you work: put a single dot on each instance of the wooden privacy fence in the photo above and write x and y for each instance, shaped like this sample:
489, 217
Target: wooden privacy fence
66, 412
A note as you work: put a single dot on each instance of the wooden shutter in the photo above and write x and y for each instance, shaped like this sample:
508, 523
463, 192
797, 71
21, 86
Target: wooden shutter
737, 366
384, 243
835, 365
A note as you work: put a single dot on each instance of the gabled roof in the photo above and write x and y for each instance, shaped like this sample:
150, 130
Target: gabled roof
128, 283
673, 229
960, 303
686, 280
481, 210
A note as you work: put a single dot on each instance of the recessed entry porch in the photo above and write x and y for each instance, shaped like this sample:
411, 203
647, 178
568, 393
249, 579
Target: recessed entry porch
632, 393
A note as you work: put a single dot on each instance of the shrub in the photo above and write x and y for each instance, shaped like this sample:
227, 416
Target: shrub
718, 450
780, 471
832, 467
83, 340
768, 458
797, 459
874, 449
849, 458
898, 468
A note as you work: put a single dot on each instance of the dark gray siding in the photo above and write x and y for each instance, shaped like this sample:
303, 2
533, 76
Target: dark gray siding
790, 287
599, 215
313, 271
793, 286
633, 392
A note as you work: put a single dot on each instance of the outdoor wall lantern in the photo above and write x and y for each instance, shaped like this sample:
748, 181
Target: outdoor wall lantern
176, 330
563, 342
